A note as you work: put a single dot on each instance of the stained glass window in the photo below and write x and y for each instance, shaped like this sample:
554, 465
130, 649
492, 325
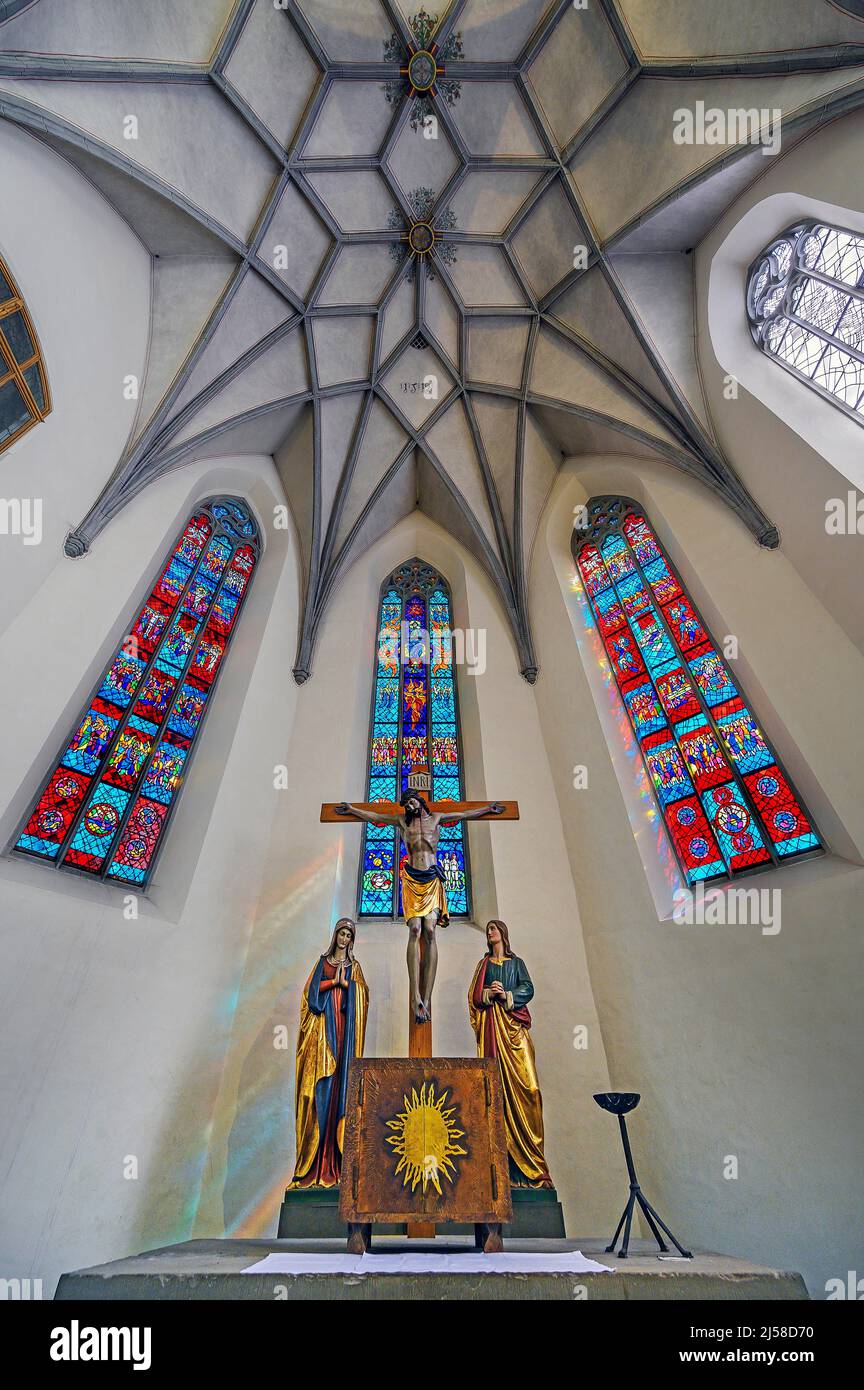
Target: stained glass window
805, 303
24, 395
726, 802
415, 725
106, 805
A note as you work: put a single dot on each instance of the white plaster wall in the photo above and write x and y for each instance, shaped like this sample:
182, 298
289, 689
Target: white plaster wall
741, 1043
86, 280
520, 871
794, 450
113, 1031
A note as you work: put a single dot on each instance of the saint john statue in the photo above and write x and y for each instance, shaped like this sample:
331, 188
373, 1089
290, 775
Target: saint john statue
498, 1008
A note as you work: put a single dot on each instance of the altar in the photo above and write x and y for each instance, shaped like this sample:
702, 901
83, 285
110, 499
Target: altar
425, 1143
236, 1269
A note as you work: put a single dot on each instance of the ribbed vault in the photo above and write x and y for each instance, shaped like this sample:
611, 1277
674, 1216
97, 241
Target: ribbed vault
279, 159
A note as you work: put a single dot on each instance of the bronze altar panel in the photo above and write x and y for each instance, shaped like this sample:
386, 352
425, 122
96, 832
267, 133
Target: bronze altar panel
447, 1155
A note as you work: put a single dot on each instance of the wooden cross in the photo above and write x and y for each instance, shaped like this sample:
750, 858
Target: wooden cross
329, 814
420, 1034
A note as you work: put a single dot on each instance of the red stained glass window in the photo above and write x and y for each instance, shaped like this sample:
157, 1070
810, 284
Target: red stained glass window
104, 808
724, 799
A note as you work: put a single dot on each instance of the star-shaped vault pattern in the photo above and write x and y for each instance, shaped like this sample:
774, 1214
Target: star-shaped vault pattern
548, 311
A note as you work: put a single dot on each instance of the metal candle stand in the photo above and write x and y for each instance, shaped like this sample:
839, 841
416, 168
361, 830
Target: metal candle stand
620, 1103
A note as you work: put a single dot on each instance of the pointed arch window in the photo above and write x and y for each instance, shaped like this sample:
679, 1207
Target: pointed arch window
24, 395
414, 725
105, 808
727, 805
805, 304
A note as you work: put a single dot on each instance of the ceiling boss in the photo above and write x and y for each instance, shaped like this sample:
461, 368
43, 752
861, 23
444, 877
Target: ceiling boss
422, 66
422, 71
421, 238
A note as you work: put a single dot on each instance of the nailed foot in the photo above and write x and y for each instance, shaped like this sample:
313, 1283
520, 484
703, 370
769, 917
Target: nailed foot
421, 1013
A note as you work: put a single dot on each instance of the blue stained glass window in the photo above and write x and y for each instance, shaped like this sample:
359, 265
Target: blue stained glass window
414, 725
104, 808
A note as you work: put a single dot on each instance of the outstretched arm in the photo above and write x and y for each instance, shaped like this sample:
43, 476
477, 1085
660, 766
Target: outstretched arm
493, 809
373, 817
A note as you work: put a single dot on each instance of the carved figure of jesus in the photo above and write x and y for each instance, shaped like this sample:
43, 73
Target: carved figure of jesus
424, 899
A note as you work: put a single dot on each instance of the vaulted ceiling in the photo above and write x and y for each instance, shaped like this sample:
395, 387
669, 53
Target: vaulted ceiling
278, 157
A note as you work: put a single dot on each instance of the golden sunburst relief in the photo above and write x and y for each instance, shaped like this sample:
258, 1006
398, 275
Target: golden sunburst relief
425, 1139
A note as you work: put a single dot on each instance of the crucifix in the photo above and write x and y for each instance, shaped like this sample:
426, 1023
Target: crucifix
424, 899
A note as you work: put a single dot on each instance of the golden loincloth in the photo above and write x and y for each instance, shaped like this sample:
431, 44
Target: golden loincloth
423, 898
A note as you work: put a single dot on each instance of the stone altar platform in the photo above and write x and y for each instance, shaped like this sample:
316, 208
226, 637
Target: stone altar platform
212, 1269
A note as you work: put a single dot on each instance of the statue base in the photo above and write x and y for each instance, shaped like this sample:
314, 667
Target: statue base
312, 1213
537, 1214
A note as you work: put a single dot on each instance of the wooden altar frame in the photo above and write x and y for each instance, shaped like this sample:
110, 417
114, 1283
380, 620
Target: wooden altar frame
480, 1195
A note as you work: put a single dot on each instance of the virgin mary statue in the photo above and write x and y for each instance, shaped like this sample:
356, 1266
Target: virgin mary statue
332, 1029
498, 1008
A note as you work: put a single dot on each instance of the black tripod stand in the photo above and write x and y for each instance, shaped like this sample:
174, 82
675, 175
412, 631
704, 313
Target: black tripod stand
620, 1103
